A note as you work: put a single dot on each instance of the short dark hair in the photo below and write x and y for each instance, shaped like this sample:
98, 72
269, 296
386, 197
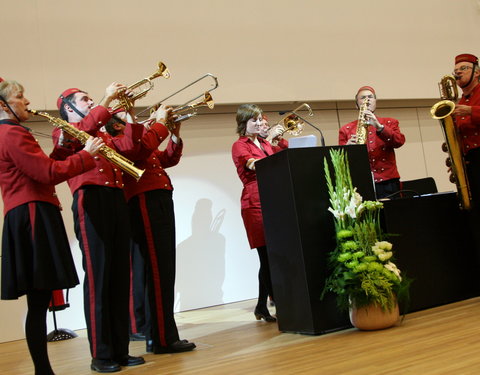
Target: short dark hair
244, 113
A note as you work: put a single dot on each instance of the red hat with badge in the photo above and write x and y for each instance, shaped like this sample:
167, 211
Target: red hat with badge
1, 79
466, 57
65, 94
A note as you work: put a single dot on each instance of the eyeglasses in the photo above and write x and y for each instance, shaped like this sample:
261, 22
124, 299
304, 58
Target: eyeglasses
461, 69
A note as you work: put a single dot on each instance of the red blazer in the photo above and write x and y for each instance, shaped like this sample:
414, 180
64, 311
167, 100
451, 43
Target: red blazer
469, 126
380, 146
104, 173
242, 150
153, 161
27, 173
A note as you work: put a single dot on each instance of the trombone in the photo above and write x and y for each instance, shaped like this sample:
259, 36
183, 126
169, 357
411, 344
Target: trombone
154, 107
293, 123
188, 110
142, 87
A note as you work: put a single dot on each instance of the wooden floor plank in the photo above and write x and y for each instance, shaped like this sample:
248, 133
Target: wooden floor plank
443, 340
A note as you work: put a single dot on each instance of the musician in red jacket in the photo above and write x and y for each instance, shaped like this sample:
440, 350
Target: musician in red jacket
383, 137
153, 227
36, 257
467, 117
249, 148
102, 228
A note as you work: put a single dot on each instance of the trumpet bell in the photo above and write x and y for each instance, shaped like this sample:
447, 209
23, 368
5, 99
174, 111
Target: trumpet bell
140, 89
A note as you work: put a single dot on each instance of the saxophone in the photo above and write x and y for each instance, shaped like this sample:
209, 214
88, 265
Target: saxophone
107, 152
442, 111
362, 125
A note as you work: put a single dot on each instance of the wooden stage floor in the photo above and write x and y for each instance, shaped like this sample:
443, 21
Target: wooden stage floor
443, 340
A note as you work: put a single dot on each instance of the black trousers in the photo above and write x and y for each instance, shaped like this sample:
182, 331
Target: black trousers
103, 231
385, 188
153, 230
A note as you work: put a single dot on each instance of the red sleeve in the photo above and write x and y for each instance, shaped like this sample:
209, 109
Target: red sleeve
95, 119
391, 134
241, 153
172, 154
30, 159
342, 136
476, 116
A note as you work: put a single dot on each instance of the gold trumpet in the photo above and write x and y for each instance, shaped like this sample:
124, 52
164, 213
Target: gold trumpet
183, 111
108, 153
442, 111
293, 123
140, 89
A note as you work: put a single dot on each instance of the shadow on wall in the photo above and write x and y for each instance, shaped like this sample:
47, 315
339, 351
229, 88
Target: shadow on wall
201, 260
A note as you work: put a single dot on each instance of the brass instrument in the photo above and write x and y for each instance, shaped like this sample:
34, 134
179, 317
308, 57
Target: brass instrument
362, 125
442, 111
184, 113
140, 89
108, 153
214, 85
293, 123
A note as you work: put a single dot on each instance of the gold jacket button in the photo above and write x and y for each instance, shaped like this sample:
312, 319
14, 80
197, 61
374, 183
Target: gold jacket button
106, 182
101, 170
96, 157
116, 182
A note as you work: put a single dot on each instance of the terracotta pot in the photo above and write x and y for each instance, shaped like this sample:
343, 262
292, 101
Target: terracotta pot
372, 317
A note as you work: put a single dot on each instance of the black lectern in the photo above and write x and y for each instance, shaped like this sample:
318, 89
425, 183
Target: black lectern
300, 233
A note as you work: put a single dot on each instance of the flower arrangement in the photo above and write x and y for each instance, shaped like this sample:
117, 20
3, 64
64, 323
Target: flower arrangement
363, 269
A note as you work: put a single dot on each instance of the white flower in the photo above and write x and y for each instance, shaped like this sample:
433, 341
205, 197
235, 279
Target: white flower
392, 267
334, 212
385, 245
385, 256
376, 250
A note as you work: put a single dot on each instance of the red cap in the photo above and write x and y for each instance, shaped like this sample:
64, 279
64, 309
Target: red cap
1, 79
65, 94
369, 88
466, 57
265, 117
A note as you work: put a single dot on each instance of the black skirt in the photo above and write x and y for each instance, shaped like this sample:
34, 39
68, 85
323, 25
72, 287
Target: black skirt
35, 251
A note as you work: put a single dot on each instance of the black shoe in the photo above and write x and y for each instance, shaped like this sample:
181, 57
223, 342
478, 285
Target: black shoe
149, 346
177, 347
129, 360
265, 315
137, 337
104, 365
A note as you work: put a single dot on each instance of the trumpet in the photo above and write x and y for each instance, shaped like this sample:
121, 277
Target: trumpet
140, 89
108, 153
154, 107
183, 111
293, 123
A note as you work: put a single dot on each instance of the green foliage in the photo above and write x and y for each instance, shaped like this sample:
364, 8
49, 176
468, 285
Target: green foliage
362, 265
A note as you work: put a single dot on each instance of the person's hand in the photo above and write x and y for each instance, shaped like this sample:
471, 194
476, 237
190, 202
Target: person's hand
275, 132
462, 110
371, 119
112, 92
93, 145
175, 129
352, 140
162, 114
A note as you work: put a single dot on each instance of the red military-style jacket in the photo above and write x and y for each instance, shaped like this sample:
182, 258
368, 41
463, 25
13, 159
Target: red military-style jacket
242, 150
380, 146
469, 126
153, 161
104, 173
27, 173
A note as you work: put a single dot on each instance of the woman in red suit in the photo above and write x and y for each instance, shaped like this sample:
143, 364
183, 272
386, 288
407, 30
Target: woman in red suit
249, 148
36, 256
